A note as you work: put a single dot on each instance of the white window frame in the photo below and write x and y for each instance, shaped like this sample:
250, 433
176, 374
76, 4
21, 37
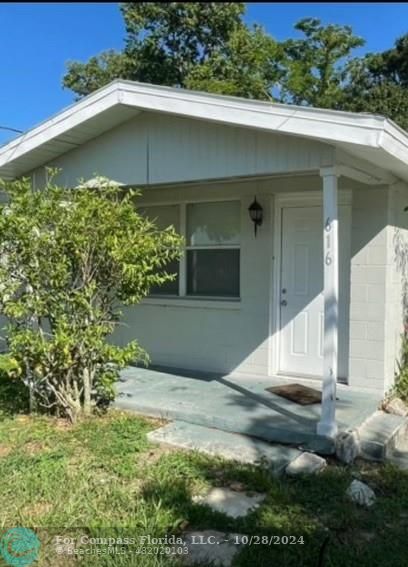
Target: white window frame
182, 299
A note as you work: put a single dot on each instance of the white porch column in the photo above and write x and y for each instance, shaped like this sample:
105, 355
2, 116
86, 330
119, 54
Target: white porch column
327, 425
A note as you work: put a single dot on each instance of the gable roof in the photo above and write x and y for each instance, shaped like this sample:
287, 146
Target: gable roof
370, 137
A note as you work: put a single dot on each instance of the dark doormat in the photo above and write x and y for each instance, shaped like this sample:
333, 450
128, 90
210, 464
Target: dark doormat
297, 393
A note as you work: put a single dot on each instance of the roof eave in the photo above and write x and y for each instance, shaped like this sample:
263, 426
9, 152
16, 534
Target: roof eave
324, 125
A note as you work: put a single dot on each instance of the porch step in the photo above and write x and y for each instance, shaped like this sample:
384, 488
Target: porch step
230, 446
399, 454
381, 434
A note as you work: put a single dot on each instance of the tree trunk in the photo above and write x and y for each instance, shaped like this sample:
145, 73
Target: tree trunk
32, 406
87, 409
29, 382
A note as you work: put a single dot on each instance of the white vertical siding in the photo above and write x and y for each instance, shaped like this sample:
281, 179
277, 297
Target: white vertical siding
119, 154
157, 148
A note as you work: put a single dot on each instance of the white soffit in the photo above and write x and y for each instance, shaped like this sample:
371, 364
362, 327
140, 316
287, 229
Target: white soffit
372, 138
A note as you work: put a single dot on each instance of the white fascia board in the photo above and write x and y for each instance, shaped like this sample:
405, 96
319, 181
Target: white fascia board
324, 125
394, 141
59, 124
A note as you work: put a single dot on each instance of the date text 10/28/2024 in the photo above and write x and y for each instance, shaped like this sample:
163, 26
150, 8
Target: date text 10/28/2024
236, 539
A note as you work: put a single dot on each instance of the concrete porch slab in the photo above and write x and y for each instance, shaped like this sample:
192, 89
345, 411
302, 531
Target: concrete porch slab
239, 405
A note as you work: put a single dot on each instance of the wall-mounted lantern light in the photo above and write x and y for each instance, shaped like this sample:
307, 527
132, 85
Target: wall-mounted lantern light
256, 214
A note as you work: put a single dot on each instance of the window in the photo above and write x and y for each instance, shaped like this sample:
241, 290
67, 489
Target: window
210, 266
163, 217
213, 253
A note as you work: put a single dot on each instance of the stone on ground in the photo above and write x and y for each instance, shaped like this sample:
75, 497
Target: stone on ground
361, 493
306, 463
210, 547
396, 406
347, 446
229, 502
230, 446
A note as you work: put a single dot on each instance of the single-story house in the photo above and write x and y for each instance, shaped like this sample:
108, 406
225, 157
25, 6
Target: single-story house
294, 218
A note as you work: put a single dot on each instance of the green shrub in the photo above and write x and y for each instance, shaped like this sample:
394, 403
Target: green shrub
69, 259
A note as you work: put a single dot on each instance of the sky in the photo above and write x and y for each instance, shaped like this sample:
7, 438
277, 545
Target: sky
38, 39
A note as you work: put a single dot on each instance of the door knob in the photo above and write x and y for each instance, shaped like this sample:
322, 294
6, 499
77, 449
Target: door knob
284, 302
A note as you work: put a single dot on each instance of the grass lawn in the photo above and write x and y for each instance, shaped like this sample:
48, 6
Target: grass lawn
102, 478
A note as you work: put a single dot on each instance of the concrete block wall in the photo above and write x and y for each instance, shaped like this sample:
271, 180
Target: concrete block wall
396, 279
369, 257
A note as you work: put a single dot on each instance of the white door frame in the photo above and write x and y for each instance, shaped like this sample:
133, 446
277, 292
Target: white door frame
278, 203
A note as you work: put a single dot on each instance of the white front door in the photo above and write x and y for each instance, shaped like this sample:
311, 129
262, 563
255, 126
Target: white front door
301, 306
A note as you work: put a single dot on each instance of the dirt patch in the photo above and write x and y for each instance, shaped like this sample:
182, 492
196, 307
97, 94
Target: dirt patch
153, 456
34, 447
135, 486
22, 418
37, 510
155, 422
5, 450
79, 457
62, 424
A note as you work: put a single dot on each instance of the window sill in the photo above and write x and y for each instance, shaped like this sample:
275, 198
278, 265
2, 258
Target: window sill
193, 302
